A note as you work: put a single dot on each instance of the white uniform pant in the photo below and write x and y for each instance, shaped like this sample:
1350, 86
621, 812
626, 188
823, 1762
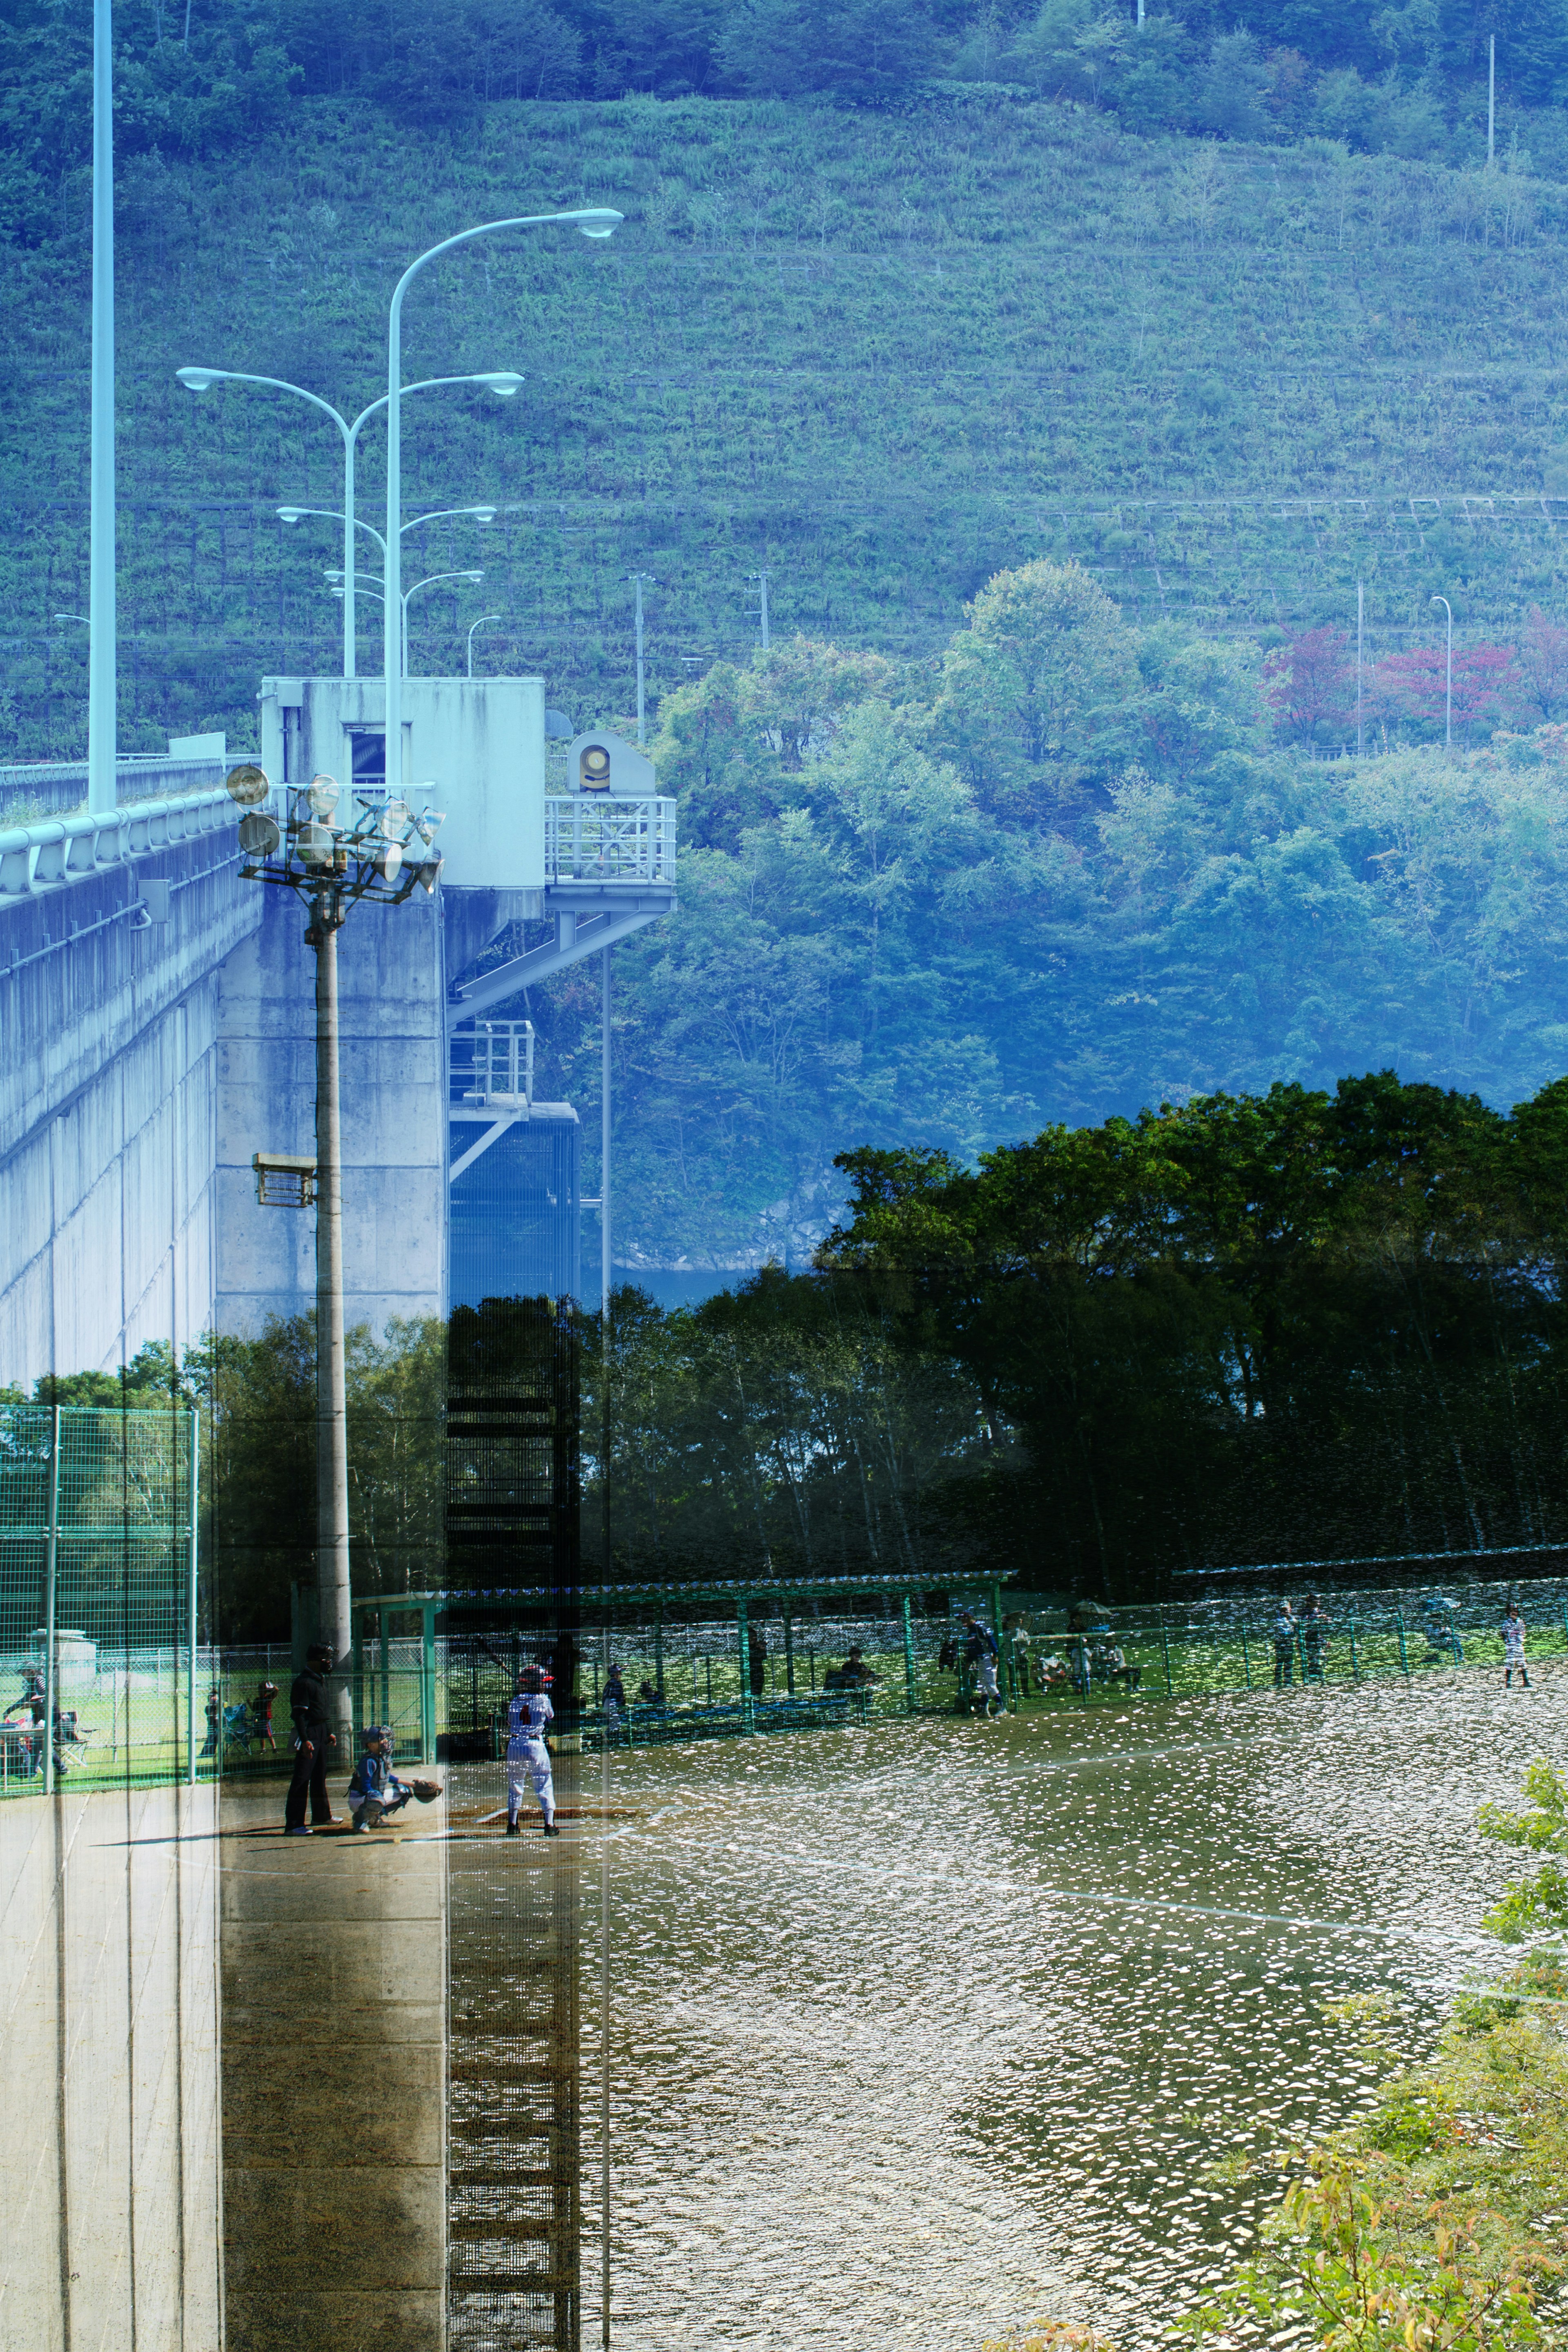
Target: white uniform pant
985, 1676
528, 1767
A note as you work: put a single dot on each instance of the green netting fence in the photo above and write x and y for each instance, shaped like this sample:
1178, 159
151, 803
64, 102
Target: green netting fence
714, 1661
102, 1676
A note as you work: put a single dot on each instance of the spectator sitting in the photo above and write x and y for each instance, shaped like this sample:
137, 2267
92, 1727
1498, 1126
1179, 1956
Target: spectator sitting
853, 1674
64, 1730
647, 1695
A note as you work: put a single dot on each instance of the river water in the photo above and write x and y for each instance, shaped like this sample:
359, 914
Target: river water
922, 2029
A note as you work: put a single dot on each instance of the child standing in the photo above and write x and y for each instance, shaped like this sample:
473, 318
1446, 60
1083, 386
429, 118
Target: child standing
1512, 1631
261, 1715
527, 1756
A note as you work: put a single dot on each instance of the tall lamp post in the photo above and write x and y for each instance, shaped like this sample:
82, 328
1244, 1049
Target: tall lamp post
1449, 687
102, 787
595, 222
504, 382
384, 855
350, 576
433, 580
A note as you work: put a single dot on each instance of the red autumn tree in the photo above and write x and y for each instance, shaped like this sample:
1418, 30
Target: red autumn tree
1416, 682
1311, 684
1541, 690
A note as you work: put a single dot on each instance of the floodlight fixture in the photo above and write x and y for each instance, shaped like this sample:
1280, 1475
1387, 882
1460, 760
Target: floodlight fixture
259, 834
502, 382
197, 378
247, 785
322, 795
599, 221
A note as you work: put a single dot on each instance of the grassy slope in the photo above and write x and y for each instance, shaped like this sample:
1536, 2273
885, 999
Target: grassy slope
882, 355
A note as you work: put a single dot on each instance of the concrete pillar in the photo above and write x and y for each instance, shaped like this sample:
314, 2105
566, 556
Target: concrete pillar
333, 2085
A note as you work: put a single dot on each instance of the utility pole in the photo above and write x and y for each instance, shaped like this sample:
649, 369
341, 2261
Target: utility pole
605, 1135
101, 716
1359, 640
638, 578
1491, 99
382, 857
762, 579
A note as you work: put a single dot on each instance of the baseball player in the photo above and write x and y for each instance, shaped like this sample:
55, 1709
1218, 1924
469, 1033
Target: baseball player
375, 1792
527, 1756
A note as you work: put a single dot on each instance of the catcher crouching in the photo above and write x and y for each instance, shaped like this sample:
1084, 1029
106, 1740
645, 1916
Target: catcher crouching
375, 1792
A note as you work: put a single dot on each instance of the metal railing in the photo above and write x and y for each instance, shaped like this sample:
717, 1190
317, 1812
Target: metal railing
58, 787
54, 852
492, 1062
588, 839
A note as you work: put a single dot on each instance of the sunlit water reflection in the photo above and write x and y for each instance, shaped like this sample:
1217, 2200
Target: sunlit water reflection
925, 2029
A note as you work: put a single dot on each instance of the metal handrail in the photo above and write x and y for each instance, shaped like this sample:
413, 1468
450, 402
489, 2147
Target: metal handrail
54, 852
589, 838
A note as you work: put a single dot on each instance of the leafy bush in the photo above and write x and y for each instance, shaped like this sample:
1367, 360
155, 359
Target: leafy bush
1356, 2276
1538, 1904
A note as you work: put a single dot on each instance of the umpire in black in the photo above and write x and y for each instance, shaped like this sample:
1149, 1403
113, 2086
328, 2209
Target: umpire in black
313, 1736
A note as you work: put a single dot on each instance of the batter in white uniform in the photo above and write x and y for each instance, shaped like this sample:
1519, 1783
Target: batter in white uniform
527, 1756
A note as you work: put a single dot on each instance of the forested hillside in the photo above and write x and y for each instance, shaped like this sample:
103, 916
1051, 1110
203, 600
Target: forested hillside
932, 889
881, 353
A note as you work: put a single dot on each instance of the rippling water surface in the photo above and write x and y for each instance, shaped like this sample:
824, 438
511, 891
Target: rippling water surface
922, 2029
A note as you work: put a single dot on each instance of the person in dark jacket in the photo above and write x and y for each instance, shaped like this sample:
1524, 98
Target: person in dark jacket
313, 1740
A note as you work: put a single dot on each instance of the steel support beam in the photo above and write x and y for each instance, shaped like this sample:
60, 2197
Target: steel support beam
576, 935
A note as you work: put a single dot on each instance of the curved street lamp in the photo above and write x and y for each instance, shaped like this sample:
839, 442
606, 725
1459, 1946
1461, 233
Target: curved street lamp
479, 624
1448, 690
595, 221
350, 588
505, 382
433, 580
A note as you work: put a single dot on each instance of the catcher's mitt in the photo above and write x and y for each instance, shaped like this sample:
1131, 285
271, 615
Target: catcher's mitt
427, 1791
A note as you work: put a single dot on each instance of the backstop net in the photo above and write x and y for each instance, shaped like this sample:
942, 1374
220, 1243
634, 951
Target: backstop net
102, 1675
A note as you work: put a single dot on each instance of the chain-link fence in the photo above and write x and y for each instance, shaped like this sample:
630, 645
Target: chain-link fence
102, 1674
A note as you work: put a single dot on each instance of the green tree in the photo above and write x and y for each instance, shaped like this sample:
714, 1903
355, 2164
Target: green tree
1029, 688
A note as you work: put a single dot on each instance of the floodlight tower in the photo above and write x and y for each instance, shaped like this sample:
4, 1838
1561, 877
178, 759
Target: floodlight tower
385, 856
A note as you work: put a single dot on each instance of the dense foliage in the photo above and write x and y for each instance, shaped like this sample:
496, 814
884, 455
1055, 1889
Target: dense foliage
1410, 81
1250, 1328
1071, 868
